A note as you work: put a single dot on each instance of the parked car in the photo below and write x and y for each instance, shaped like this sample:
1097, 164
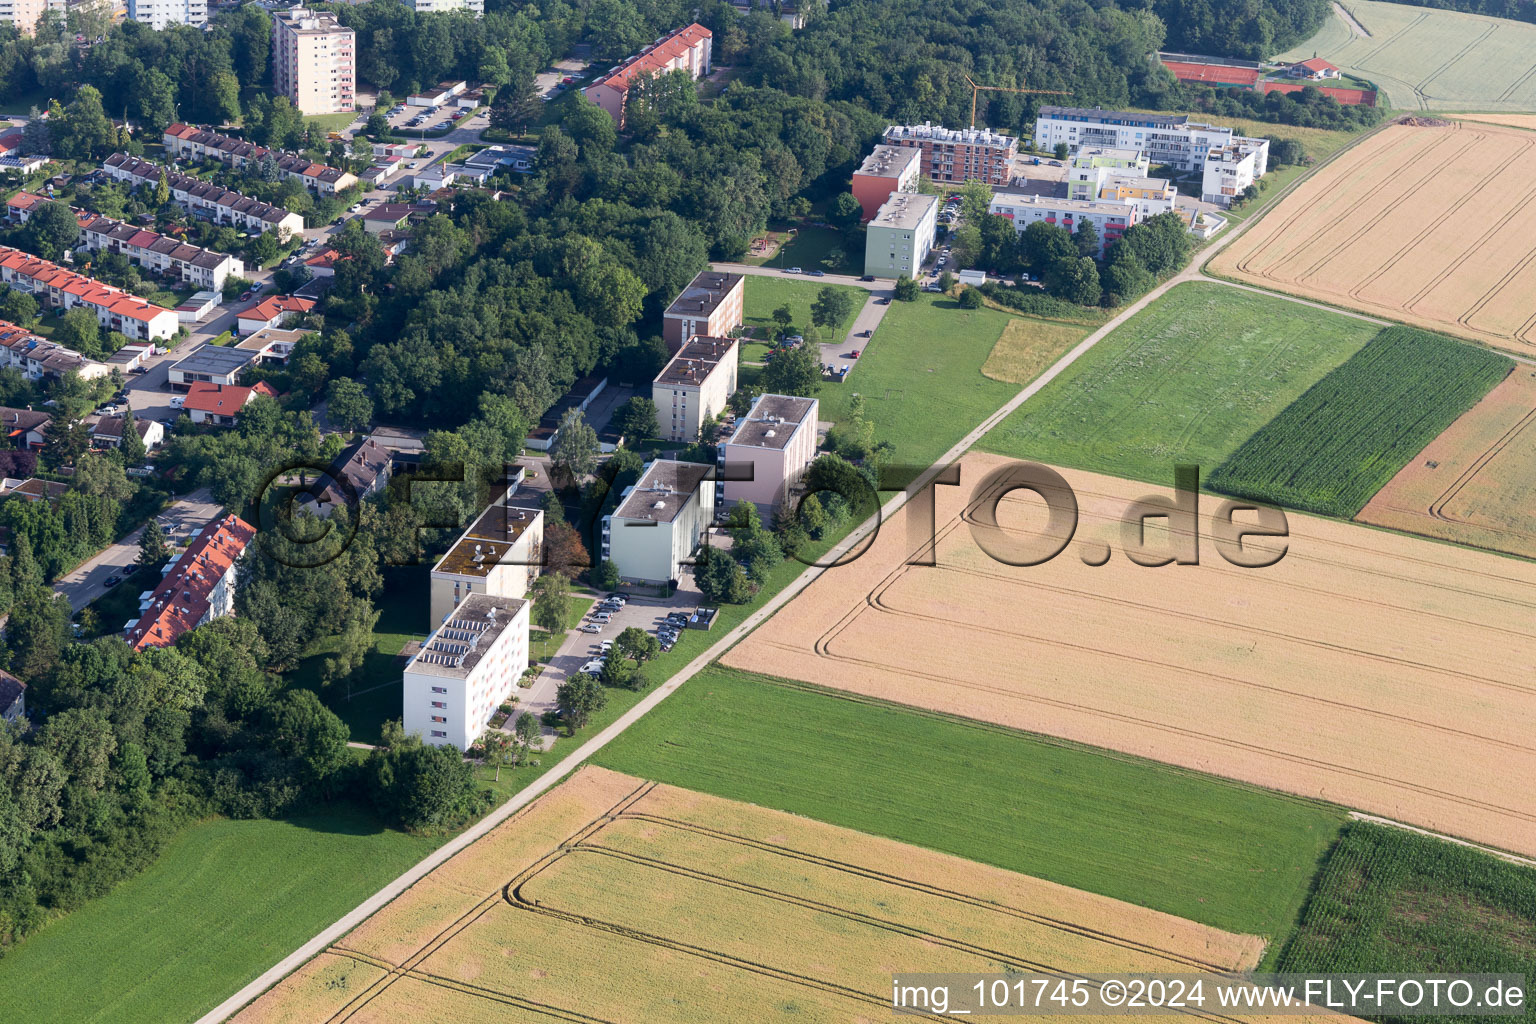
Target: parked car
856, 352
793, 270
867, 277
606, 646
593, 667
245, 296
619, 598
884, 300
567, 80
592, 627
112, 581
817, 273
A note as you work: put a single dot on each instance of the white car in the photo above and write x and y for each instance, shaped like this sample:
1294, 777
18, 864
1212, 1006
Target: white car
594, 667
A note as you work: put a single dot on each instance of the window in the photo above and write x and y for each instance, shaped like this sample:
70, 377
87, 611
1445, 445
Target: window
439, 734
439, 718
440, 704
439, 689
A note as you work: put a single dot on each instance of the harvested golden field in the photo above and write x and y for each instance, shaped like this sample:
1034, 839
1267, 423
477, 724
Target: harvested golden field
1527, 121
1475, 483
1434, 226
1375, 670
614, 899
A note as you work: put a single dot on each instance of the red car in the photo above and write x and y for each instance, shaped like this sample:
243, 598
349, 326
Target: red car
245, 296
856, 352
567, 80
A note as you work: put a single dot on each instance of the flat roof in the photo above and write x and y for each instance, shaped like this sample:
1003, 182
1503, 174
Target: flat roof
889, 161
481, 548
773, 420
214, 359
1115, 116
695, 361
1109, 152
904, 210
662, 491
704, 294
258, 340
927, 131
472, 628
1074, 205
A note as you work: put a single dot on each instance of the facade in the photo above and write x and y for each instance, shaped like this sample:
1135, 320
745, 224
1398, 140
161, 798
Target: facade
887, 169
958, 154
271, 346
108, 432
157, 14
660, 521
694, 386
314, 61
24, 13
205, 199
465, 669
688, 49
40, 359
901, 236
1232, 168
1171, 139
273, 311
19, 207
57, 288
198, 587
778, 439
13, 697
1092, 164
1151, 196
189, 143
201, 268
475, 7
713, 304
211, 364
1111, 219
499, 555
217, 405
438, 94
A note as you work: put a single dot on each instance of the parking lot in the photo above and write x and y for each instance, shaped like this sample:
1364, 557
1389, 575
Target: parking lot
647, 613
423, 119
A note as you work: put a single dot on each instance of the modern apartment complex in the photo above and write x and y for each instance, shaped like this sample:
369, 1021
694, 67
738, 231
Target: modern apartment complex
466, 668
57, 288
40, 359
157, 14
886, 170
712, 304
1091, 164
314, 61
202, 268
499, 555
1110, 218
660, 521
694, 386
688, 49
777, 438
900, 237
475, 7
202, 198
190, 143
1232, 168
198, 587
958, 154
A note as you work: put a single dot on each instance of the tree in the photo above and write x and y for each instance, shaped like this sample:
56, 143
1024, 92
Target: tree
720, 578
831, 307
1086, 238
36, 136
527, 730
162, 190
132, 444
1061, 150
551, 602
347, 404
575, 449
591, 126
607, 577
846, 211
428, 785
946, 282
79, 330
637, 419
971, 299
307, 730
794, 371
19, 307
636, 643
84, 131
51, 229
497, 747
906, 289
578, 699
784, 317
64, 443
153, 549
98, 475
1076, 280
516, 106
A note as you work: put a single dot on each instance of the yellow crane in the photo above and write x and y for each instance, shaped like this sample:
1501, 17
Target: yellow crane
977, 89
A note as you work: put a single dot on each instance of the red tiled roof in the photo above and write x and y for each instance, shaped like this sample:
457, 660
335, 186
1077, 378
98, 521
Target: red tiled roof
95, 293
658, 57
276, 305
181, 600
1318, 64
24, 200
220, 399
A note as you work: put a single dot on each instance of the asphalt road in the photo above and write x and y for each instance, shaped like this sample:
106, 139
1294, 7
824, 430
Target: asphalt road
88, 582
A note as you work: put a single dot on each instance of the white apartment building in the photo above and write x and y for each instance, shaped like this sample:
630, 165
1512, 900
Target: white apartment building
694, 385
202, 268
466, 668
1232, 168
1092, 164
1171, 139
57, 288
1152, 196
205, 199
159, 13
314, 61
475, 7
499, 555
38, 358
901, 236
660, 521
1110, 218
777, 439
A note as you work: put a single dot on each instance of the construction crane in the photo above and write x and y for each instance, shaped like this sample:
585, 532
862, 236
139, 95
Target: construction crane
977, 89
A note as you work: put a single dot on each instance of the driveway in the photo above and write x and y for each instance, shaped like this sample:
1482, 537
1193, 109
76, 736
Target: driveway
87, 583
545, 81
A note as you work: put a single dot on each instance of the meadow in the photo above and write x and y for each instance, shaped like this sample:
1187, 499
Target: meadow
1426, 59
765, 294
1185, 381
1347, 435
1392, 902
1187, 844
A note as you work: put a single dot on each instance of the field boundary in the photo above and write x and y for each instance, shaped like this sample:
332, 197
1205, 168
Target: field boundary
1513, 858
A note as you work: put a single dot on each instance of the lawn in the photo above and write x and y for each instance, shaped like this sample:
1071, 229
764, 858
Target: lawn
1187, 380
332, 122
225, 901
812, 248
1338, 444
1392, 902
1202, 848
766, 294
543, 645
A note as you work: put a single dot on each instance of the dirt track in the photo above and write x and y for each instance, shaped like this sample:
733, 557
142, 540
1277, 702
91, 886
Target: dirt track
1383, 672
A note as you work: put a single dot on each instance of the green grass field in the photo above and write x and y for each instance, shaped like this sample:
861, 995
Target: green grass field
766, 294
921, 376
1191, 845
332, 122
225, 901
1347, 435
813, 248
1185, 381
1392, 902
1425, 59
542, 646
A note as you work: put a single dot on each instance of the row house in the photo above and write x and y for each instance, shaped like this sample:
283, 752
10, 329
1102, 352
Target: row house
37, 358
688, 49
191, 143
57, 288
203, 198
198, 587
199, 267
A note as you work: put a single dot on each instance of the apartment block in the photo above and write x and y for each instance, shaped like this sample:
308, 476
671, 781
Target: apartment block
199, 267
887, 169
465, 670
713, 304
206, 200
958, 154
1171, 139
24, 13
1092, 164
57, 288
314, 61
37, 358
196, 588
660, 521
475, 7
694, 385
1232, 168
688, 49
777, 438
157, 14
901, 236
189, 143
499, 555
1111, 218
